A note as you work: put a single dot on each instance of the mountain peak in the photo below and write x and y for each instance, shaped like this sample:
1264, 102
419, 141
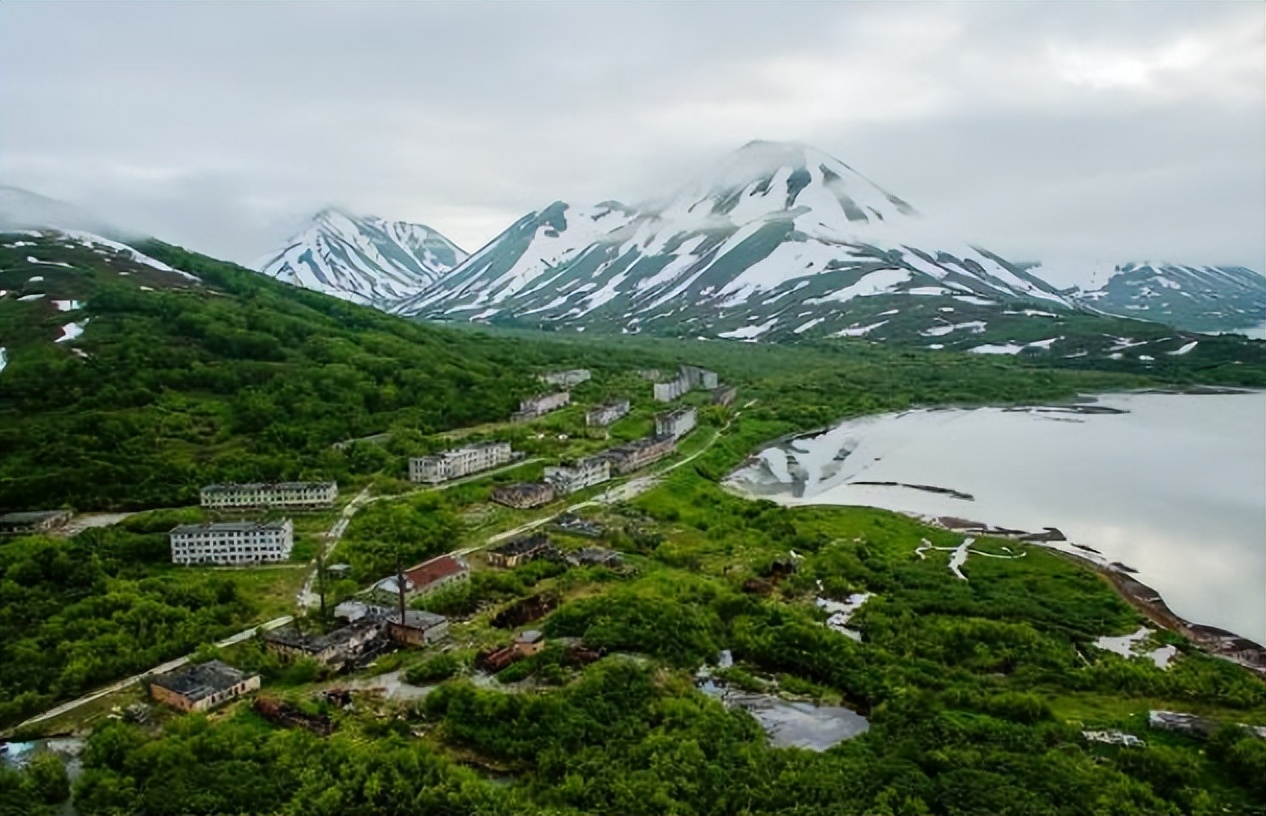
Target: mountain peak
364, 259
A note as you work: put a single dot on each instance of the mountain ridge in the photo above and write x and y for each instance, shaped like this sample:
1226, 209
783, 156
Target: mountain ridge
363, 259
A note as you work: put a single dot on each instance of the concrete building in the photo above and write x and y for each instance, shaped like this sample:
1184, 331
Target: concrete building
671, 390
198, 688
700, 377
539, 406
639, 453
570, 477
438, 573
453, 464
604, 415
34, 521
524, 495
291, 495
676, 423
724, 395
566, 379
418, 629
334, 650
688, 378
520, 551
241, 542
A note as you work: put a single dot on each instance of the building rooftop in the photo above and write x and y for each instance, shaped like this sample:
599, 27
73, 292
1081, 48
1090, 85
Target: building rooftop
199, 682
428, 572
231, 526
417, 619
529, 636
315, 643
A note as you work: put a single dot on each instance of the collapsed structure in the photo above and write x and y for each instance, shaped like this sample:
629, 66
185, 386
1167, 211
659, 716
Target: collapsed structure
520, 551
198, 688
524, 495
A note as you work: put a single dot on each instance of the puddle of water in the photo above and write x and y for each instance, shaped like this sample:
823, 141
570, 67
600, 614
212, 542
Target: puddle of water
793, 724
842, 612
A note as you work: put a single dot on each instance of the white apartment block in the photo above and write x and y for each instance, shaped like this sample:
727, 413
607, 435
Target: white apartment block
295, 495
700, 377
676, 423
578, 475
232, 543
671, 390
460, 462
604, 415
539, 406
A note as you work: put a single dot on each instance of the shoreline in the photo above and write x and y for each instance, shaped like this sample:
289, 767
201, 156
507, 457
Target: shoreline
1212, 640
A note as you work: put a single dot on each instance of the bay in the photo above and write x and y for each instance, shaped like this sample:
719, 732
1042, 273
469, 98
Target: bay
1173, 486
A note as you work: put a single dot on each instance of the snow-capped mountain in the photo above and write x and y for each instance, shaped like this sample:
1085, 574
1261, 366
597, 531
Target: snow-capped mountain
363, 259
780, 239
1197, 298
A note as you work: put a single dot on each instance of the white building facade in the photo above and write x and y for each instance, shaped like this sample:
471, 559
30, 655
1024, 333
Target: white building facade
454, 464
291, 495
232, 542
604, 415
578, 475
676, 423
539, 406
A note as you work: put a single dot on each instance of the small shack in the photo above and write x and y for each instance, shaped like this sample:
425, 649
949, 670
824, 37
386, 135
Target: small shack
418, 628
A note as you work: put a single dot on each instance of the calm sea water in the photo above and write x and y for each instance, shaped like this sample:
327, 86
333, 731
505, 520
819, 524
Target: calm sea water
1175, 488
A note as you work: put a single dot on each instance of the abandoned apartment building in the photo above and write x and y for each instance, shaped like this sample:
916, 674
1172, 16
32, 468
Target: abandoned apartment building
201, 687
688, 378
236, 542
453, 464
254, 495
33, 521
569, 477
639, 453
676, 423
520, 551
534, 407
524, 495
566, 379
603, 415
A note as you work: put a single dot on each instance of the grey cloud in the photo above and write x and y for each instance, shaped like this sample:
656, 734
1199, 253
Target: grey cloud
1107, 130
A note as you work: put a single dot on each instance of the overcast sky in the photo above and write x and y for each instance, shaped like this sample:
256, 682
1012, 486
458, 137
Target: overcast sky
1068, 130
